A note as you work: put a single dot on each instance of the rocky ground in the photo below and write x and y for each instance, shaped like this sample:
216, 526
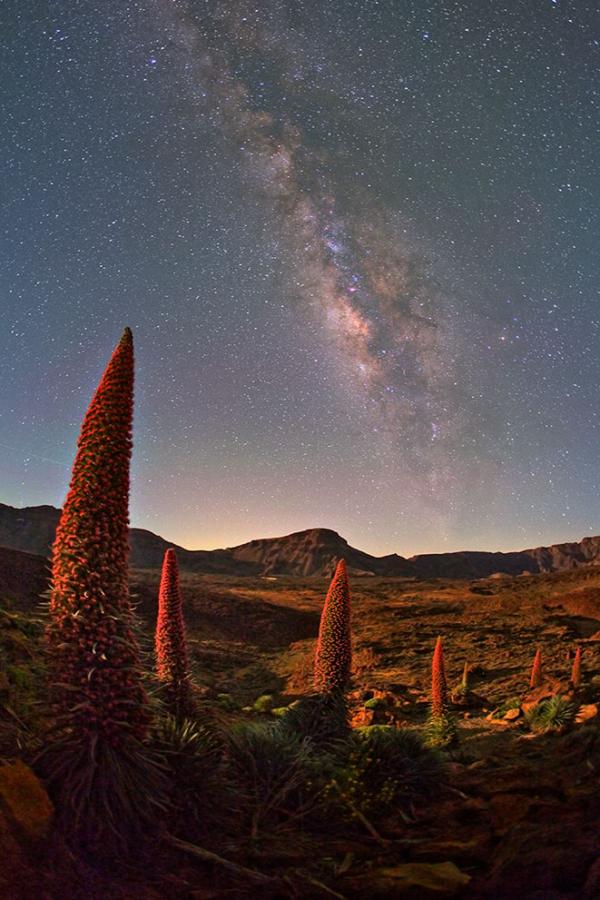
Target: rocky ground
520, 814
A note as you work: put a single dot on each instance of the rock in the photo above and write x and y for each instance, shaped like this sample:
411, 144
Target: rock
467, 698
363, 718
491, 718
24, 801
535, 860
507, 810
586, 712
436, 878
25, 819
548, 689
591, 888
512, 714
475, 849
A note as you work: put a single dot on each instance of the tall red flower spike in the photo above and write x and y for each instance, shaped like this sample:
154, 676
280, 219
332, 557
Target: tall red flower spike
170, 641
439, 690
333, 659
576, 671
93, 650
536, 670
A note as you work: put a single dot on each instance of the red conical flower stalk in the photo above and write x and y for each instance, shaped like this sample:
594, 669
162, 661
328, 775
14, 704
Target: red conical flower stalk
576, 672
536, 670
170, 642
439, 690
333, 659
93, 650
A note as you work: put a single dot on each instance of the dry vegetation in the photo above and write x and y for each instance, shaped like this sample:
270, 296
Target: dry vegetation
494, 625
499, 827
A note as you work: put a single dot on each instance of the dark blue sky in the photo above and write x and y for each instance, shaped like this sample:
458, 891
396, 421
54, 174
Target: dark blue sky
357, 245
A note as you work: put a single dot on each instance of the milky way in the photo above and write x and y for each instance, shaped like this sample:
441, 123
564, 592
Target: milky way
389, 324
356, 243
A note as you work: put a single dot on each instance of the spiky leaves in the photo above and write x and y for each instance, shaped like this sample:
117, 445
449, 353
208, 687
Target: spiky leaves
101, 713
170, 640
333, 658
388, 769
536, 670
552, 714
576, 671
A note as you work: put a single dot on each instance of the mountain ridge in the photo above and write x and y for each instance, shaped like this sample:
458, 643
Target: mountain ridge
313, 551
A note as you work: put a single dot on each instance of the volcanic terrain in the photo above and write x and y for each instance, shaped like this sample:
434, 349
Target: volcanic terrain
501, 822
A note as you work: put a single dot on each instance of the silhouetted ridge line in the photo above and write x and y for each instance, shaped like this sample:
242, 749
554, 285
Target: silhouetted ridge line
315, 551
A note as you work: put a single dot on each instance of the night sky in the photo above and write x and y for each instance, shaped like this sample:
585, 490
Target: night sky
357, 244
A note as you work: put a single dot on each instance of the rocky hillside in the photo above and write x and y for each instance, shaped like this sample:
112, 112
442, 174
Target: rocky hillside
315, 552
23, 576
305, 553
311, 552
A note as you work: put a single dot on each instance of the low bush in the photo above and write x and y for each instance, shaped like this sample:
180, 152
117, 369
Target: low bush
554, 714
387, 769
264, 703
375, 703
511, 703
270, 770
194, 755
440, 730
322, 718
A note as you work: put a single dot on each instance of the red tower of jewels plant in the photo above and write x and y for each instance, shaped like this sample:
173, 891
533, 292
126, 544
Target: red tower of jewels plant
536, 670
333, 658
576, 671
93, 756
170, 641
439, 689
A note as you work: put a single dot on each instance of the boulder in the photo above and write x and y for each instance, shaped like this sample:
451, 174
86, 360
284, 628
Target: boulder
25, 821
586, 712
24, 801
550, 688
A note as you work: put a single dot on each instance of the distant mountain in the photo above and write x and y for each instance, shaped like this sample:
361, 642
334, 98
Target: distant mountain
32, 529
23, 576
478, 564
314, 552
311, 552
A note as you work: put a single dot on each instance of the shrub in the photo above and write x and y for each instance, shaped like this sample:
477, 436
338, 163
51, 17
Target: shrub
511, 703
20, 677
322, 718
226, 702
264, 703
195, 756
554, 714
375, 703
387, 769
333, 658
269, 768
440, 731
